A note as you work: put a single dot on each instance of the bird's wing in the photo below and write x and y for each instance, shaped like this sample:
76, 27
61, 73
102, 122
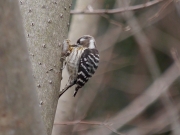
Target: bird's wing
88, 64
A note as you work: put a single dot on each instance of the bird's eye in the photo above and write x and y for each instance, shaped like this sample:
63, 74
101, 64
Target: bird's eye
81, 40
78, 41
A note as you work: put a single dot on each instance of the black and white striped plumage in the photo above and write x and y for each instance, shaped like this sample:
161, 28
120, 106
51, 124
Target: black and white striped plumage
82, 62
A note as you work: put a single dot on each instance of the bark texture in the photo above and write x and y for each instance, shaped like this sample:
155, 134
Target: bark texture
46, 24
67, 105
19, 111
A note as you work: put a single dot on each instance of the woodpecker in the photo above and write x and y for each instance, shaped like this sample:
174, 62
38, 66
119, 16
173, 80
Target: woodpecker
82, 62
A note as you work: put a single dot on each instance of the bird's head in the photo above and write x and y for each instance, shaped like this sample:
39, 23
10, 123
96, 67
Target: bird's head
87, 41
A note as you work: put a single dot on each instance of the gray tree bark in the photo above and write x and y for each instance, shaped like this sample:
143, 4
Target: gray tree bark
46, 24
19, 111
67, 105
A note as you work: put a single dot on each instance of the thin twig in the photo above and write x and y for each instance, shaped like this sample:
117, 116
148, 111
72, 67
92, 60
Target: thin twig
113, 130
118, 10
161, 10
112, 21
79, 122
106, 125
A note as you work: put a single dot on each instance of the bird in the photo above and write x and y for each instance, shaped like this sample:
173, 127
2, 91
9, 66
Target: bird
82, 62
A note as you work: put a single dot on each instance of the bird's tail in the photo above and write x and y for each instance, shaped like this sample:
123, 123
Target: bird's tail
65, 89
76, 90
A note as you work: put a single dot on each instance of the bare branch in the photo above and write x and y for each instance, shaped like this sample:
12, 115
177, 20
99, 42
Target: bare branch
150, 95
153, 68
161, 10
112, 21
118, 10
106, 125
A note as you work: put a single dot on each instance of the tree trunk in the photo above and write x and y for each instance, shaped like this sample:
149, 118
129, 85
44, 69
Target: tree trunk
81, 25
46, 25
19, 111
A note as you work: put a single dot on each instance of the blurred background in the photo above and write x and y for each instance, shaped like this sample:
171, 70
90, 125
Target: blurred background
136, 89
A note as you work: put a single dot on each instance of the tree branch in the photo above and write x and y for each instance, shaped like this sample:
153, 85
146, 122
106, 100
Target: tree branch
161, 10
106, 125
150, 95
118, 10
